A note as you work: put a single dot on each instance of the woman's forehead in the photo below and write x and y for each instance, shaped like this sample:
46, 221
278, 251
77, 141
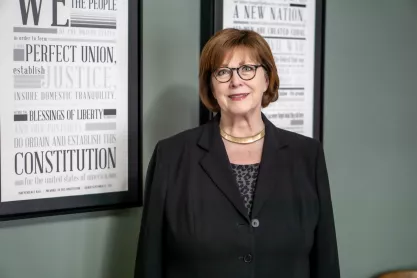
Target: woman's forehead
238, 56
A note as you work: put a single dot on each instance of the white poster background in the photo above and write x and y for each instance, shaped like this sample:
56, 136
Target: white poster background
74, 91
289, 28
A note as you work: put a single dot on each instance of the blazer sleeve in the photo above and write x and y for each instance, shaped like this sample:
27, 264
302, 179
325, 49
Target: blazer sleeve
324, 259
149, 259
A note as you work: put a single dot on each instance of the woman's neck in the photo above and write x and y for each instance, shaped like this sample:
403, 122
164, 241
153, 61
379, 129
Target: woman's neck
241, 125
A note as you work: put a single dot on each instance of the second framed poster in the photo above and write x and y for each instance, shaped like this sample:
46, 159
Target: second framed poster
294, 31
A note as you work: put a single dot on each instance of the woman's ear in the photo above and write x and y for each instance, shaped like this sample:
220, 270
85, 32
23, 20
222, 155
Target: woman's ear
266, 81
212, 89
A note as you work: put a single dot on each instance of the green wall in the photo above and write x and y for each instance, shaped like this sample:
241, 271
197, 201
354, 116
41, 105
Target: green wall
370, 143
370, 133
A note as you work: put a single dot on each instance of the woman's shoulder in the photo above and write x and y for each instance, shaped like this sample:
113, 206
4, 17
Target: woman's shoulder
297, 141
176, 143
183, 137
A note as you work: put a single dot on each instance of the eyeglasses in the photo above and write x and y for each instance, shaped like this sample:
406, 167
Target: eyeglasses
245, 72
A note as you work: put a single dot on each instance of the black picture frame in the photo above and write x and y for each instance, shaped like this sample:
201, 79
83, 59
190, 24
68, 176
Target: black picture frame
133, 197
211, 21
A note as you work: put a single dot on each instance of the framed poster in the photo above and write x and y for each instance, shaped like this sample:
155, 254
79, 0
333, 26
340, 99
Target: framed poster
70, 109
294, 31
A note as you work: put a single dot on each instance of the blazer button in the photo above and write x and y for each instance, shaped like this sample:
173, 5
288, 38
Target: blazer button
255, 223
247, 258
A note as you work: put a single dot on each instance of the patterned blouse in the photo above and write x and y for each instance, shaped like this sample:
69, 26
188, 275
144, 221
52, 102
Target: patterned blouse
246, 177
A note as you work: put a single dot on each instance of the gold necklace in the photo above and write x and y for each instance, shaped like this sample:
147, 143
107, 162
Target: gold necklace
243, 140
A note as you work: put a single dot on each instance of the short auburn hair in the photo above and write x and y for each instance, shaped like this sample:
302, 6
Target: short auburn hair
214, 52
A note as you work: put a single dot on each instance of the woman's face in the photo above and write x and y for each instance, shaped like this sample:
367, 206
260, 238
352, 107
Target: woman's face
238, 96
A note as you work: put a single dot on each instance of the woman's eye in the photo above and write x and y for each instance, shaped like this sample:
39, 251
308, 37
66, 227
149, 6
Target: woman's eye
221, 72
247, 68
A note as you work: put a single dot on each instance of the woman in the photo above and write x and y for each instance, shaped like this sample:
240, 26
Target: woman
237, 197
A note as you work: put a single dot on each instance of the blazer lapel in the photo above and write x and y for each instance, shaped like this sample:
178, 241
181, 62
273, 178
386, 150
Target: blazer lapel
273, 170
216, 164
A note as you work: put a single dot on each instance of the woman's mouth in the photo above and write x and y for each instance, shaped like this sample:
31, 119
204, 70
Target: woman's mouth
238, 97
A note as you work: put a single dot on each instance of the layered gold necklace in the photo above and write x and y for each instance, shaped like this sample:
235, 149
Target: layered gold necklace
243, 140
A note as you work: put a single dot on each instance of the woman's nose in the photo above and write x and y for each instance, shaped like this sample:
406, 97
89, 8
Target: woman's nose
235, 80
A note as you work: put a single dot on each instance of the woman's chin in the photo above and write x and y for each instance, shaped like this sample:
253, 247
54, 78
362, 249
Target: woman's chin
240, 110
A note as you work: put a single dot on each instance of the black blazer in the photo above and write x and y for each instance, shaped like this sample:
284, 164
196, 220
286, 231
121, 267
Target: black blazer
195, 225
